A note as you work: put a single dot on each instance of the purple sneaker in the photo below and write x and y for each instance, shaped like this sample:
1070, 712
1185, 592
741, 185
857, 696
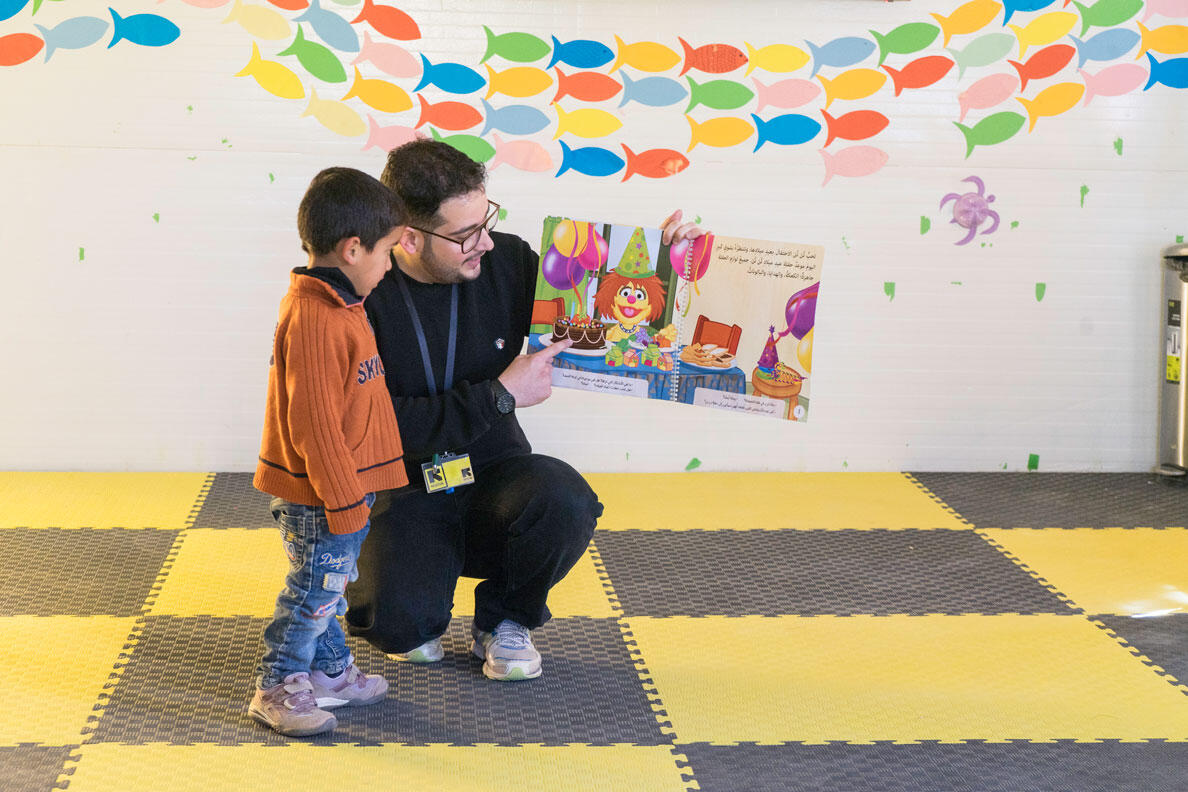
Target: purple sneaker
351, 688
290, 709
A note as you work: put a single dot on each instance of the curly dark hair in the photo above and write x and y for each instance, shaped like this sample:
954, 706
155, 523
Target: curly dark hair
425, 173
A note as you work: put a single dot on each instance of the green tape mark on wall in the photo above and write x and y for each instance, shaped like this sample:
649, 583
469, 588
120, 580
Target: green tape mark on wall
844, 242
1179, 239
697, 219
82, 253
271, 178
1118, 146
156, 217
191, 159
502, 213
1014, 224
1040, 288
889, 289
1033, 461
1084, 192
925, 224
694, 463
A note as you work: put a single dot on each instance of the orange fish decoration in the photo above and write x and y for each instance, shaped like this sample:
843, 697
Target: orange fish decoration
388, 21
858, 125
712, 58
920, 73
654, 163
291, 5
453, 116
1044, 63
588, 86
18, 48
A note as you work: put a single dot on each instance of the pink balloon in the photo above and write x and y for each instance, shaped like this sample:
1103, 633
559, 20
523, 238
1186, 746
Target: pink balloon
702, 247
561, 272
595, 254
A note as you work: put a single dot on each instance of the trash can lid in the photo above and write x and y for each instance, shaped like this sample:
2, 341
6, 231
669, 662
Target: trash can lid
1176, 251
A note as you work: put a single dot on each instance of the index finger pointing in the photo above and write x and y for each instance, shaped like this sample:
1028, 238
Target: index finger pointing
555, 348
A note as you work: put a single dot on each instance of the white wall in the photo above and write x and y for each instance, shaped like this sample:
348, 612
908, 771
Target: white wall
150, 352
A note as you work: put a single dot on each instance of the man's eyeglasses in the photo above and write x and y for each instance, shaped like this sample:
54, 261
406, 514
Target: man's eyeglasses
471, 241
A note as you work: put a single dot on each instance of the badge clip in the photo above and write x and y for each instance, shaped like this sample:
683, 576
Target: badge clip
447, 471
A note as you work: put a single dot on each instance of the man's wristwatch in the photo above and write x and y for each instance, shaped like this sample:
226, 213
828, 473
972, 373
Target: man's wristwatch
504, 401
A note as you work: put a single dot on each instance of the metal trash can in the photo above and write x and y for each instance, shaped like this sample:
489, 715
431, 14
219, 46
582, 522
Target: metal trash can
1172, 457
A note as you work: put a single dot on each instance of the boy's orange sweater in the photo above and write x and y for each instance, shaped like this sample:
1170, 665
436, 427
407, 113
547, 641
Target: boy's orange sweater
330, 434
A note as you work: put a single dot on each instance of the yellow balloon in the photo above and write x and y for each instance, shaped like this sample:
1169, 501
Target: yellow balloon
570, 237
804, 351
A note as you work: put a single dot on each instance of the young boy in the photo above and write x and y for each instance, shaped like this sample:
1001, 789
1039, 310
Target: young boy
330, 442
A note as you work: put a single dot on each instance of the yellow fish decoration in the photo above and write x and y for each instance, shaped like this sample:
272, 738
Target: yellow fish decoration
646, 56
519, 81
1052, 101
1044, 30
261, 21
720, 132
335, 116
1169, 39
379, 94
589, 122
775, 58
969, 18
854, 84
276, 78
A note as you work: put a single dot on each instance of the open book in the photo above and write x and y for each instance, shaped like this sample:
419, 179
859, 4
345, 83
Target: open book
717, 322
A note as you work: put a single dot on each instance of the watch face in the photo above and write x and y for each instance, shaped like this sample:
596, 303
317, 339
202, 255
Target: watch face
505, 403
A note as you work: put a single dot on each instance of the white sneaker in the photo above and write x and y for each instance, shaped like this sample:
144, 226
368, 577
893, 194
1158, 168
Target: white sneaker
507, 652
428, 652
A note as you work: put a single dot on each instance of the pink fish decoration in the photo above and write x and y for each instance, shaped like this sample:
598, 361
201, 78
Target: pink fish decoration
526, 155
1116, 80
785, 93
1173, 9
853, 161
987, 92
389, 58
389, 137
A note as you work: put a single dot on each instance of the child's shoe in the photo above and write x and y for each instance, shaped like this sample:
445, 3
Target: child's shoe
290, 709
351, 688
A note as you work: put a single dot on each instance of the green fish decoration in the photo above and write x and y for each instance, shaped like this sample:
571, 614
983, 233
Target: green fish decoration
983, 51
991, 130
905, 39
516, 47
472, 146
718, 94
318, 60
1107, 13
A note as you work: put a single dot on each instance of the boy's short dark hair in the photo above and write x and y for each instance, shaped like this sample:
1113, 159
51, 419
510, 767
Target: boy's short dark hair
425, 173
343, 202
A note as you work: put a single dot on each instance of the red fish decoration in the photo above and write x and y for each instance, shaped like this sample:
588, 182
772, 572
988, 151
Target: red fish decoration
858, 125
1044, 63
654, 163
18, 48
712, 58
920, 73
588, 86
388, 21
453, 116
291, 5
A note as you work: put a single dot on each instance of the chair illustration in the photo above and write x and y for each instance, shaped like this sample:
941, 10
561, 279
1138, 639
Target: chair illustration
547, 311
708, 331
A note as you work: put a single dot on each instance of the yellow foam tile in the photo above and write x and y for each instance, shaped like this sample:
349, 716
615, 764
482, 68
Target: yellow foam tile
1136, 571
580, 593
903, 678
106, 767
232, 572
98, 500
54, 672
766, 501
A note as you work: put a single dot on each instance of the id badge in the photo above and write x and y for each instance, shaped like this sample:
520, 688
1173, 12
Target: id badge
447, 471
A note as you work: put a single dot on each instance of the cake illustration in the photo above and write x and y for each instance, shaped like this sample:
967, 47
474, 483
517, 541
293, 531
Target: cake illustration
584, 332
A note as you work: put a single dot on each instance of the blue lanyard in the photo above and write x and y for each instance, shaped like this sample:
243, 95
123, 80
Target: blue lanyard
416, 320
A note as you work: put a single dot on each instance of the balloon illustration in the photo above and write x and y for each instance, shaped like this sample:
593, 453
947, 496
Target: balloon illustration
801, 312
698, 261
570, 237
804, 352
576, 249
595, 253
560, 271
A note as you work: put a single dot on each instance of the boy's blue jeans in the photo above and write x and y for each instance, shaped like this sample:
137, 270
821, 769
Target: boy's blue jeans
304, 633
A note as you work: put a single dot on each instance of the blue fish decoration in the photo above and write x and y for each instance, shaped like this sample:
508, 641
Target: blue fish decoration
513, 119
652, 91
330, 27
591, 160
1106, 45
450, 77
581, 54
1172, 73
790, 129
840, 52
75, 33
10, 8
1012, 6
147, 30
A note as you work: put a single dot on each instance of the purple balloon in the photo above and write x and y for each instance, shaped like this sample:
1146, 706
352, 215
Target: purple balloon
801, 311
561, 272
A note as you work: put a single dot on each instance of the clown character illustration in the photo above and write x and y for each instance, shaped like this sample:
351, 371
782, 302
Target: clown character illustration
631, 296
